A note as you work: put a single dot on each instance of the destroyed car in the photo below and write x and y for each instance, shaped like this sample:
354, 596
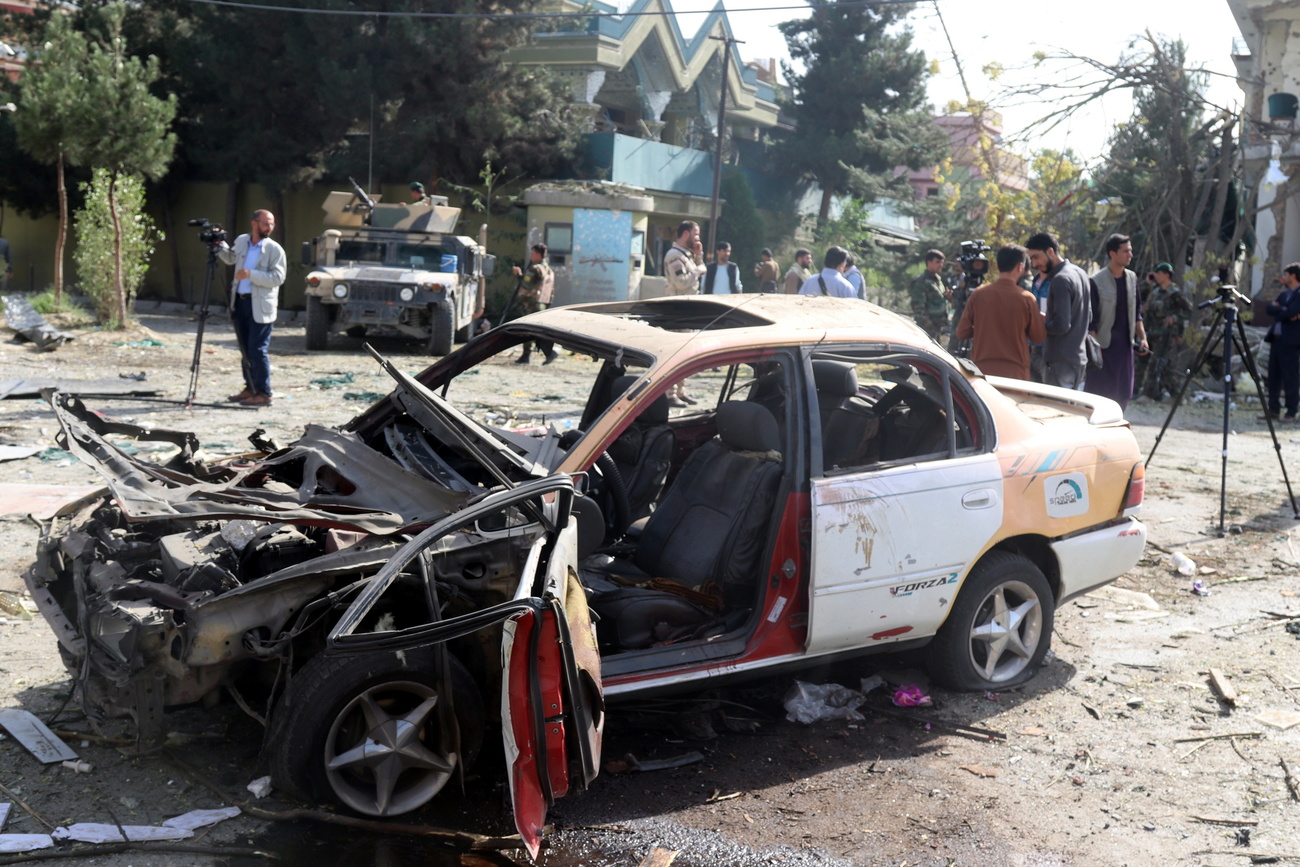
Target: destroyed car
841, 485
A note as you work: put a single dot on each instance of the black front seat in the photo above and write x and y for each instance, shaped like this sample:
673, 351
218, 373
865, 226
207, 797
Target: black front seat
643, 453
708, 535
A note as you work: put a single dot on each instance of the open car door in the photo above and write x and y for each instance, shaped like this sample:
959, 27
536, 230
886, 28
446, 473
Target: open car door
552, 710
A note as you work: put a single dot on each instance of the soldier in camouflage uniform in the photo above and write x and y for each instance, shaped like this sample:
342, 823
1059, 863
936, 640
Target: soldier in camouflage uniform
930, 297
1166, 313
534, 294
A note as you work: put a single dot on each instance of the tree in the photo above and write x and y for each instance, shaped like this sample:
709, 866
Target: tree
1169, 168
431, 96
53, 121
858, 101
131, 126
740, 224
98, 244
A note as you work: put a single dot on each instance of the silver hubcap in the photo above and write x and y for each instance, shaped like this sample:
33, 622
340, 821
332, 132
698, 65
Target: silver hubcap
1007, 630
383, 756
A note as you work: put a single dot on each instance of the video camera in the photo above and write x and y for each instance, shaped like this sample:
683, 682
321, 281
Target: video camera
974, 264
210, 233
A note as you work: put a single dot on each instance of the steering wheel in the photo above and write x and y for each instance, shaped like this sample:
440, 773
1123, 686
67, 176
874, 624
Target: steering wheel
608, 487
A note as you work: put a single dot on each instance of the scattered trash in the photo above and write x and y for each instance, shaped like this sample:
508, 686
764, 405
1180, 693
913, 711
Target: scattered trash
808, 703
1281, 719
17, 453
910, 696
135, 377
1199, 588
1221, 685
35, 736
4, 815
1120, 596
1293, 627
365, 396
54, 454
979, 770
98, 832
631, 763
25, 842
141, 344
30, 325
261, 787
79, 766
1183, 565
195, 819
334, 380
1242, 837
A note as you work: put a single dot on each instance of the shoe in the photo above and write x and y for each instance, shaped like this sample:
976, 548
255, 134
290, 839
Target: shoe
258, 399
690, 401
523, 359
241, 397
551, 356
676, 402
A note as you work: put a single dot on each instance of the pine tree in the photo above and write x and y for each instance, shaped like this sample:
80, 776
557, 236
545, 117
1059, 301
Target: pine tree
858, 101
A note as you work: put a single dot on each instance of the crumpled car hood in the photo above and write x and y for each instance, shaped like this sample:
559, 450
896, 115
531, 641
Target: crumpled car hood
327, 478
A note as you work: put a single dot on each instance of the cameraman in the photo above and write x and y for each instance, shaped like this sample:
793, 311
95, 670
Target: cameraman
254, 300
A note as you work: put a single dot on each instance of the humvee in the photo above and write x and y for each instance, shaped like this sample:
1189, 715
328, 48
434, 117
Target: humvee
392, 269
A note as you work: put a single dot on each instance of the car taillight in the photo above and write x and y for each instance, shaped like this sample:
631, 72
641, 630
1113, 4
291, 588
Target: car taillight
1137, 488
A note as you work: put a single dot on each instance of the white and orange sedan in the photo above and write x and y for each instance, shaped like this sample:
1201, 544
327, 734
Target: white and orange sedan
834, 484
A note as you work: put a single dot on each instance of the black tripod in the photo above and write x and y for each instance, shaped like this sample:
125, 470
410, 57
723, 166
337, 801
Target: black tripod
1225, 312
208, 271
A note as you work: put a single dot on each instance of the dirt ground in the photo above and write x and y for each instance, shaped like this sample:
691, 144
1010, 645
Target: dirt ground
1119, 753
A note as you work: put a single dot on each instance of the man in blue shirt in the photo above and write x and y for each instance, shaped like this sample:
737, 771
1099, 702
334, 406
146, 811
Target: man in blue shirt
831, 280
254, 301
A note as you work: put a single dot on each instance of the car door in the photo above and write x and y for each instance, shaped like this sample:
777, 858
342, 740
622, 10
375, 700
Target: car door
551, 703
892, 538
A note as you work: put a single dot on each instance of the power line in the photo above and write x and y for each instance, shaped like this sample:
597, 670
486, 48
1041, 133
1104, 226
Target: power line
263, 7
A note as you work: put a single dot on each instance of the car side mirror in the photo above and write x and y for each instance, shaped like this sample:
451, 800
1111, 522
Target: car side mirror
489, 266
308, 254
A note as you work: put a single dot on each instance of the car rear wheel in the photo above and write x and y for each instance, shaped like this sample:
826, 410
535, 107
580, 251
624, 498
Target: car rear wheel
380, 733
318, 324
1000, 628
442, 328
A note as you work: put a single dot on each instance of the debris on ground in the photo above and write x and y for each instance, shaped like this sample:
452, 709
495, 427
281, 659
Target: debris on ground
17, 453
1182, 564
33, 734
630, 763
333, 380
1222, 687
261, 787
140, 344
31, 326
808, 703
363, 396
910, 696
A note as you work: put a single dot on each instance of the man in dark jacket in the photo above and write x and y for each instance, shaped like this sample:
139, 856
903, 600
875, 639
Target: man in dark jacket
1284, 349
1069, 309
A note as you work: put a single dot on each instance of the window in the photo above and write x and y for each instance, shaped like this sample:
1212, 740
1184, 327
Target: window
559, 242
878, 409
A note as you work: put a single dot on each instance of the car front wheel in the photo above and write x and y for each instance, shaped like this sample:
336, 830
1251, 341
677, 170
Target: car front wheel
1000, 628
380, 733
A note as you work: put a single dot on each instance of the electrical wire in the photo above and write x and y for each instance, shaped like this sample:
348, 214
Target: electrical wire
263, 7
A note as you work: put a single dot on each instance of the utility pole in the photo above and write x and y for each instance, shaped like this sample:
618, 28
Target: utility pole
727, 42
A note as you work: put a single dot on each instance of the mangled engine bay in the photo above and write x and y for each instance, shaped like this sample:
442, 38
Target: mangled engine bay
184, 576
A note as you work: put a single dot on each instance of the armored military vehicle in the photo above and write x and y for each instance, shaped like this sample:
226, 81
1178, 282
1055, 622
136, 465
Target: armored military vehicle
392, 269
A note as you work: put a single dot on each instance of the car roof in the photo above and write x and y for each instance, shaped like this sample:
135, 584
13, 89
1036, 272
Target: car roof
669, 325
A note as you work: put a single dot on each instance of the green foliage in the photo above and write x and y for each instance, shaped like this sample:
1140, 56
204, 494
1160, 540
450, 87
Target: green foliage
432, 97
47, 303
740, 225
53, 118
94, 254
858, 103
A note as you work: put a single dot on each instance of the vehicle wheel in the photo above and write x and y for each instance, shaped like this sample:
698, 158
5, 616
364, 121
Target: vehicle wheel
442, 328
999, 629
318, 324
365, 730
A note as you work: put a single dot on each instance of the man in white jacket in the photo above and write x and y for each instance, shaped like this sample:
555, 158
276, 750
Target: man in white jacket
260, 266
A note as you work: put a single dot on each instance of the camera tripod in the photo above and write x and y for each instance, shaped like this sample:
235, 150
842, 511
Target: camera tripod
1225, 315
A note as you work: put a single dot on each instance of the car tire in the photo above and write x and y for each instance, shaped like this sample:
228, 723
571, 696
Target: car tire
999, 629
363, 730
442, 328
318, 324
